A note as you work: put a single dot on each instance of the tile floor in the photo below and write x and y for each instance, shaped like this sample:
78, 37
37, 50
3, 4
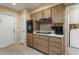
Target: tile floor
73, 51
19, 49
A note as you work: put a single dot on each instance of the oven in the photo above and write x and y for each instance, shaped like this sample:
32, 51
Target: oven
30, 26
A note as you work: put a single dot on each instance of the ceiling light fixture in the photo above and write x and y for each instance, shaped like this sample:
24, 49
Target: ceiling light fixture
14, 4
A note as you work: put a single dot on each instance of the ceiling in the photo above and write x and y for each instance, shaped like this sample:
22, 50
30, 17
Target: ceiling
21, 6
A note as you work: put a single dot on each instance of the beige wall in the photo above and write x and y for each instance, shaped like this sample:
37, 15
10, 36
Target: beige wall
45, 27
16, 14
26, 13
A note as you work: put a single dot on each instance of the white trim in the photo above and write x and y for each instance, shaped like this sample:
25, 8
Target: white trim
66, 30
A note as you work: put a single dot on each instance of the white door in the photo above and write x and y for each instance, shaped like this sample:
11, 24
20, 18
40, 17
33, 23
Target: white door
22, 30
7, 29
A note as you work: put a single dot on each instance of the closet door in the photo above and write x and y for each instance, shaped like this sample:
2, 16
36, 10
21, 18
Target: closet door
7, 30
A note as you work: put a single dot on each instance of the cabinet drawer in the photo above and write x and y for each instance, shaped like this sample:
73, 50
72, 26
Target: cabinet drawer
29, 37
29, 34
37, 36
55, 44
36, 40
54, 50
44, 37
41, 42
41, 48
55, 39
30, 40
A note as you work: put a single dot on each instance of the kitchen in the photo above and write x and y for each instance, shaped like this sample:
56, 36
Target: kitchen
41, 28
45, 32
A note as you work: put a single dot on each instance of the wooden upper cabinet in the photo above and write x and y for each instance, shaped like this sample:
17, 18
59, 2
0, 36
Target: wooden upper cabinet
58, 14
34, 16
39, 15
47, 13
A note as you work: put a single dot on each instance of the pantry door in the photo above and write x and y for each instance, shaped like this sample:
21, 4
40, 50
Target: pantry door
23, 30
7, 30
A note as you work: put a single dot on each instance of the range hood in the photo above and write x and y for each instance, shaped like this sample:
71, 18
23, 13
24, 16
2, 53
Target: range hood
45, 20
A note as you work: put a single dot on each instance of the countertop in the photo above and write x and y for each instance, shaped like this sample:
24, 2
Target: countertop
51, 34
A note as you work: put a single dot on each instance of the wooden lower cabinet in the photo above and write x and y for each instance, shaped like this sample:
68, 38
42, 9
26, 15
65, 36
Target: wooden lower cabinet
30, 39
56, 45
41, 44
54, 50
48, 45
41, 48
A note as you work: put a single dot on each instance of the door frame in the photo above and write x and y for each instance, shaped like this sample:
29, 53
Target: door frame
14, 24
66, 27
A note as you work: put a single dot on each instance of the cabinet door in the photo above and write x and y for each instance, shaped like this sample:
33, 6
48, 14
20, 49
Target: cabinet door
58, 14
36, 36
41, 48
56, 45
34, 16
40, 15
44, 37
47, 13
30, 39
36, 26
41, 44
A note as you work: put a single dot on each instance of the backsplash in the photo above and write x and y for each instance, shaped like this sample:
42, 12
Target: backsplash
45, 27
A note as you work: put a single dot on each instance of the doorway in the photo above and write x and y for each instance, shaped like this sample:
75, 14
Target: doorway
7, 30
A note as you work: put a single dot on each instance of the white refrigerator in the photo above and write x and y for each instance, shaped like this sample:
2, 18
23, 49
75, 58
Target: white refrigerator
74, 38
